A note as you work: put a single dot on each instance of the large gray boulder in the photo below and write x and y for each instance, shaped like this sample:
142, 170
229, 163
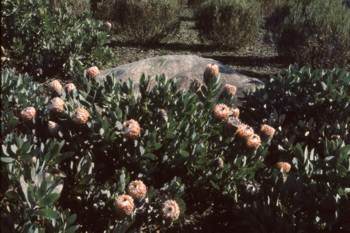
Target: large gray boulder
184, 68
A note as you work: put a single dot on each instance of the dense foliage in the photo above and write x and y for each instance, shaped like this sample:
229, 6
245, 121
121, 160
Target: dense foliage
314, 32
51, 39
69, 169
146, 21
229, 23
306, 104
269, 6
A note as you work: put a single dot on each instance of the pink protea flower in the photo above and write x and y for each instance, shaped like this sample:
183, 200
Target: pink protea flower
81, 116
56, 105
137, 189
211, 73
70, 88
235, 112
253, 142
267, 131
283, 166
230, 90
244, 131
52, 127
28, 114
221, 112
92, 72
171, 210
124, 204
56, 87
132, 129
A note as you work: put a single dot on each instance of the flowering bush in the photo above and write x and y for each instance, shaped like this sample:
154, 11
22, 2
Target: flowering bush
306, 106
47, 40
121, 157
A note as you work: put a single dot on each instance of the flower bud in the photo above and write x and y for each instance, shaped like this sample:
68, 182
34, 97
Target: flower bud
221, 112
267, 131
124, 204
283, 166
244, 131
235, 112
131, 129
253, 142
70, 88
137, 190
56, 105
56, 87
92, 72
52, 127
163, 114
211, 73
108, 25
28, 114
219, 162
81, 116
171, 210
230, 90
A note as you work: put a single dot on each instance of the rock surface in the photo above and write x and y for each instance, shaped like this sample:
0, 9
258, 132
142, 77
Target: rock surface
184, 68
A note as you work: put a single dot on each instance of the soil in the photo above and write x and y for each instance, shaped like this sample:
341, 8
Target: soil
259, 60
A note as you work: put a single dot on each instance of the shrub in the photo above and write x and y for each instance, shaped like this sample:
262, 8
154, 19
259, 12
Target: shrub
229, 23
307, 104
182, 153
47, 41
175, 154
195, 3
315, 32
312, 197
269, 6
147, 21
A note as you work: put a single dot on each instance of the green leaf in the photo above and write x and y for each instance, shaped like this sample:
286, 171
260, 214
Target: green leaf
72, 229
71, 219
24, 187
150, 156
49, 199
48, 213
184, 153
7, 159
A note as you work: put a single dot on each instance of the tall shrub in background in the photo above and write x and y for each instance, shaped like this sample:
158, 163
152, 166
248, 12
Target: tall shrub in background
49, 39
314, 32
229, 23
269, 6
142, 21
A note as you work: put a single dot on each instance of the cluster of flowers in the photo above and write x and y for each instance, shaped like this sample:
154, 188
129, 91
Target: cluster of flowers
56, 106
137, 190
228, 115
